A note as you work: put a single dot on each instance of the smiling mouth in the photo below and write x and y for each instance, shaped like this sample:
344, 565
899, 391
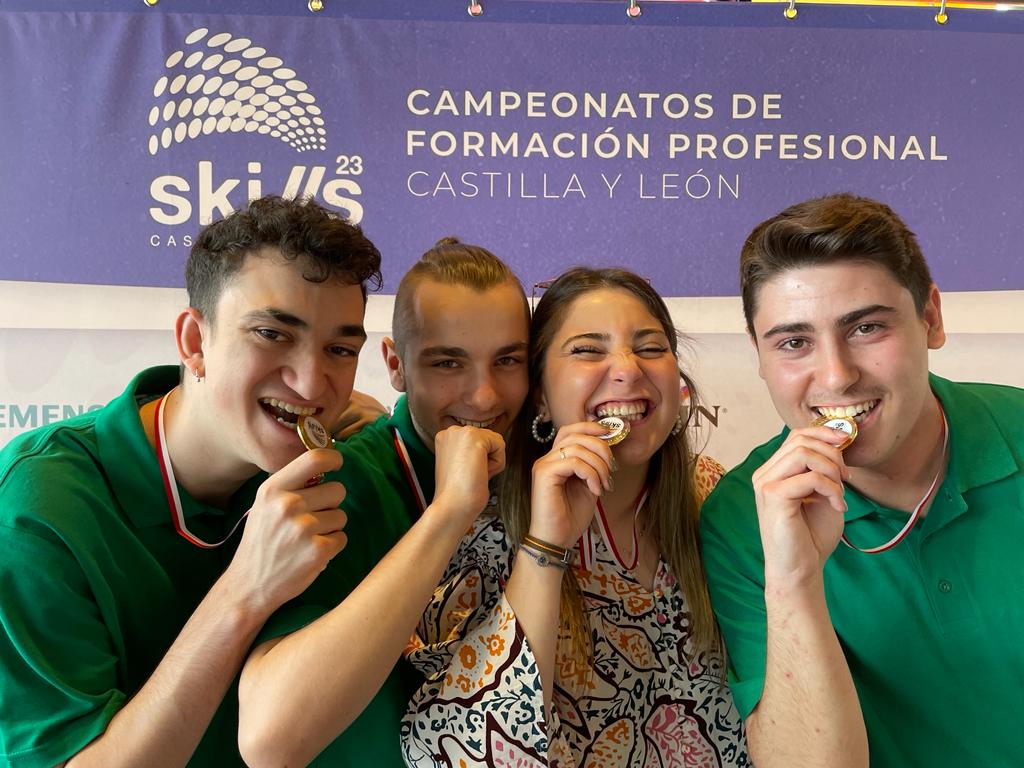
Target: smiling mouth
285, 413
634, 411
856, 412
478, 424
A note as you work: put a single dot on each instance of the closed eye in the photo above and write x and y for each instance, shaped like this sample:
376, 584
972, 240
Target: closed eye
652, 351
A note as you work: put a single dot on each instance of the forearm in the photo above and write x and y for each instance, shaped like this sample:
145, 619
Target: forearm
163, 723
293, 702
809, 713
534, 593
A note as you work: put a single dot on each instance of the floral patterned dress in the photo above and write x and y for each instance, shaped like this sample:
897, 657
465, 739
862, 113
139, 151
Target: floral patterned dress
649, 700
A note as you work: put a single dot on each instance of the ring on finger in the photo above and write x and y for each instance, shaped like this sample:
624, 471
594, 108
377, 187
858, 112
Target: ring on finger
562, 451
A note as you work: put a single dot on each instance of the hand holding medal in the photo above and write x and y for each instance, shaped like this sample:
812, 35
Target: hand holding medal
842, 424
313, 435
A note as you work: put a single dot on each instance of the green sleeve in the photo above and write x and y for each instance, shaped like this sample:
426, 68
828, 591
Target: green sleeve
58, 689
735, 570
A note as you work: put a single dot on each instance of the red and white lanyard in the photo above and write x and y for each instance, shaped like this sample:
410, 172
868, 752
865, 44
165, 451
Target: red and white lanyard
410, 473
916, 514
587, 545
171, 487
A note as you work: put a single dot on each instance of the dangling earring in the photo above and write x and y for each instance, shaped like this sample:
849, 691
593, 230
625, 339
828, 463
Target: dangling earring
535, 430
679, 423
199, 379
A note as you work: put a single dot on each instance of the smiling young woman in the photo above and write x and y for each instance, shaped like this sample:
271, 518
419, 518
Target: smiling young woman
616, 658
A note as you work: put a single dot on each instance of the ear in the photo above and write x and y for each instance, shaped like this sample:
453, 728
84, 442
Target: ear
757, 351
541, 404
933, 318
189, 330
396, 370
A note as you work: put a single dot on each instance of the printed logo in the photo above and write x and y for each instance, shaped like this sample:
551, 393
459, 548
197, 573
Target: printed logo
223, 84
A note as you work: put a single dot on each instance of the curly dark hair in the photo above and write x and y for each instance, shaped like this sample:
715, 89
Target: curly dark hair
301, 229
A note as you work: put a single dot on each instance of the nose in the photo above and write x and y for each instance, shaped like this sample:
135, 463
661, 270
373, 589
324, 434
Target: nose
837, 371
625, 367
483, 396
306, 375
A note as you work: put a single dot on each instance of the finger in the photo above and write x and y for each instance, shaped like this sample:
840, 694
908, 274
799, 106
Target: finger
590, 442
580, 428
496, 459
800, 459
800, 487
325, 496
558, 471
333, 543
327, 521
293, 476
577, 452
804, 442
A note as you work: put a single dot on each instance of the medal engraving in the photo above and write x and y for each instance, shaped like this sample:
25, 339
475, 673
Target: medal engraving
841, 424
618, 429
312, 433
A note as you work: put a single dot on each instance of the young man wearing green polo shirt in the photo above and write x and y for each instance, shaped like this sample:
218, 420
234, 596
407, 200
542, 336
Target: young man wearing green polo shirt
460, 326
128, 605
911, 654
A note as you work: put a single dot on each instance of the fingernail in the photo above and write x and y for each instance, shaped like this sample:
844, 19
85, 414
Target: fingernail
614, 465
611, 485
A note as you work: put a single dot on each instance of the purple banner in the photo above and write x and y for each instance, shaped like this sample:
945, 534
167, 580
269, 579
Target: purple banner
657, 146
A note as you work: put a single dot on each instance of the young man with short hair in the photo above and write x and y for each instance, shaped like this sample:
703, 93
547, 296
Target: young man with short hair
129, 600
908, 653
461, 326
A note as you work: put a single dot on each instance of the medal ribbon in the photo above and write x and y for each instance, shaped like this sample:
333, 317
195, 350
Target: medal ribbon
171, 487
587, 545
916, 514
410, 472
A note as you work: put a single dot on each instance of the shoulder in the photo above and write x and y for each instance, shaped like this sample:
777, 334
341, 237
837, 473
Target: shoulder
43, 468
368, 457
731, 502
1001, 398
706, 474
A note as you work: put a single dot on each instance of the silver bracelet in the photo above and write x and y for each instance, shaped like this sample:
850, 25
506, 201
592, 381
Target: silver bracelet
545, 559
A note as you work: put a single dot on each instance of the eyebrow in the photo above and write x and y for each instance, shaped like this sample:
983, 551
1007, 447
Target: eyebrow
605, 337
443, 351
850, 318
293, 321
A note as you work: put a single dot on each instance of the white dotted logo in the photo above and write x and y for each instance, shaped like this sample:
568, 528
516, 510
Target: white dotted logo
225, 84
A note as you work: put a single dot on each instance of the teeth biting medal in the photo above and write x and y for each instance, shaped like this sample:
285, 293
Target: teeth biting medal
618, 429
843, 424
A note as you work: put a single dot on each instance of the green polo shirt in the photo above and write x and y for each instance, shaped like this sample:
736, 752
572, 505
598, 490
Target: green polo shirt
933, 629
381, 506
96, 583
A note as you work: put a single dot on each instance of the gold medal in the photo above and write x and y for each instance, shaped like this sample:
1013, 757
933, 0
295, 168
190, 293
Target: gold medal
618, 429
313, 436
844, 424
312, 433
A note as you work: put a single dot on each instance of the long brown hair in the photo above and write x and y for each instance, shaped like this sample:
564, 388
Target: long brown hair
672, 509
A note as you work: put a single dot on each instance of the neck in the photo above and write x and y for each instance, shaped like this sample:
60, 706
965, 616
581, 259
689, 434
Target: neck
207, 475
618, 503
903, 481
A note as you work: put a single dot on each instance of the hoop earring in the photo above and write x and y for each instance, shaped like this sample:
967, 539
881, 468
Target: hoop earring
535, 430
679, 424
